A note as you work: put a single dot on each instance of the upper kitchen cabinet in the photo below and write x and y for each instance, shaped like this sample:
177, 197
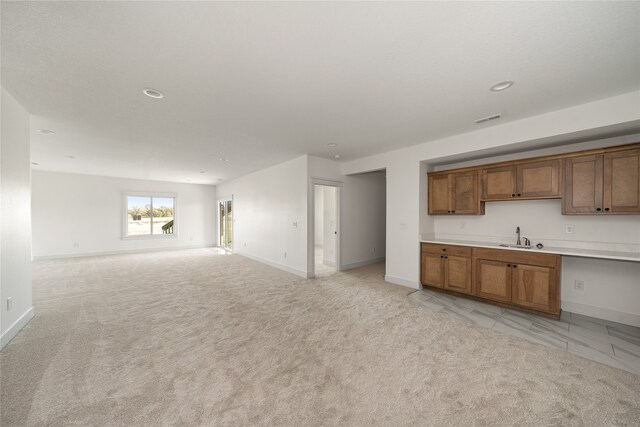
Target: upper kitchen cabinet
523, 180
454, 194
539, 179
583, 185
601, 181
607, 183
499, 183
621, 193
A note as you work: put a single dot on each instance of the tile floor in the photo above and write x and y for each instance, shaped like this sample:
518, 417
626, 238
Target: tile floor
606, 342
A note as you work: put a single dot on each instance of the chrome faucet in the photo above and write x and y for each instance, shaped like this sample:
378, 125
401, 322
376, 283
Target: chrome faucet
518, 242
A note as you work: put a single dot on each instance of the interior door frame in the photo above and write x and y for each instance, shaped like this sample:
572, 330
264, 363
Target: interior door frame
220, 200
311, 221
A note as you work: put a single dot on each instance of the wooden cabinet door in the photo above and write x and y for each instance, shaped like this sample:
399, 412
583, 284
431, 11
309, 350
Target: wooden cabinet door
457, 274
499, 183
493, 280
538, 179
534, 287
621, 191
432, 270
439, 195
583, 179
464, 193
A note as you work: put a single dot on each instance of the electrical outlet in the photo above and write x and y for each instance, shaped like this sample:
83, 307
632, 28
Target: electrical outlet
190, 237
9, 303
285, 254
245, 244
295, 224
569, 229
76, 244
578, 284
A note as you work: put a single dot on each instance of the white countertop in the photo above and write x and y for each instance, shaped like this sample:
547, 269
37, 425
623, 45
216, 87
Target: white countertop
585, 253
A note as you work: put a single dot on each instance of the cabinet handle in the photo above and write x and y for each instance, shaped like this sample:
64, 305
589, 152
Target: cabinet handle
508, 265
519, 194
448, 211
515, 266
453, 211
598, 209
441, 256
444, 249
606, 209
513, 195
446, 257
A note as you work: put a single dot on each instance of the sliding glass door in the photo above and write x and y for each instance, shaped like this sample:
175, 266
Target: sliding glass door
225, 224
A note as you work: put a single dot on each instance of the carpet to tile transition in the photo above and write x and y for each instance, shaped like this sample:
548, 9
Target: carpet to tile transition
198, 338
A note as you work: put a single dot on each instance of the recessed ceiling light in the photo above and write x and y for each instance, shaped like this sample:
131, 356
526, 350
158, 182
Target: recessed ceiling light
201, 171
501, 86
337, 156
332, 144
153, 93
46, 131
70, 157
222, 159
34, 163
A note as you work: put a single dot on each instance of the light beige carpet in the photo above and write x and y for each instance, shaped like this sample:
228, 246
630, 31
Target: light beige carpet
196, 338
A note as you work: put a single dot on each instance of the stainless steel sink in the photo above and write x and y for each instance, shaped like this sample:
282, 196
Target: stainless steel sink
505, 245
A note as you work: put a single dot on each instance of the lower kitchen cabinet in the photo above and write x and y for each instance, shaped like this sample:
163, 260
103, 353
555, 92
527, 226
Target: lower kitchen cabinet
525, 280
493, 280
447, 267
534, 287
457, 273
432, 270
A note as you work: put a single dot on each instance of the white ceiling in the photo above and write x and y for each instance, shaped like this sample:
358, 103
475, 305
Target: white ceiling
260, 83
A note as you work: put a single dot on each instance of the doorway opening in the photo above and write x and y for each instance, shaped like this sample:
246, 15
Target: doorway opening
325, 230
225, 224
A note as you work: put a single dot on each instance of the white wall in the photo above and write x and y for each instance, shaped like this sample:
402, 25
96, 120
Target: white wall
541, 221
319, 215
88, 210
270, 215
406, 180
15, 249
364, 207
611, 289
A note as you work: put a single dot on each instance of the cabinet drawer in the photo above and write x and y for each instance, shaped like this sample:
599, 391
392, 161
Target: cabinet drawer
505, 255
439, 249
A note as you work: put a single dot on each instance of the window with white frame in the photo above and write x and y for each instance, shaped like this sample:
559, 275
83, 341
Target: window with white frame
149, 215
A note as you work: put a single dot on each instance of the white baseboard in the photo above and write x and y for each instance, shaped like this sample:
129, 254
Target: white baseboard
17, 326
601, 313
344, 267
329, 262
413, 284
274, 264
119, 252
